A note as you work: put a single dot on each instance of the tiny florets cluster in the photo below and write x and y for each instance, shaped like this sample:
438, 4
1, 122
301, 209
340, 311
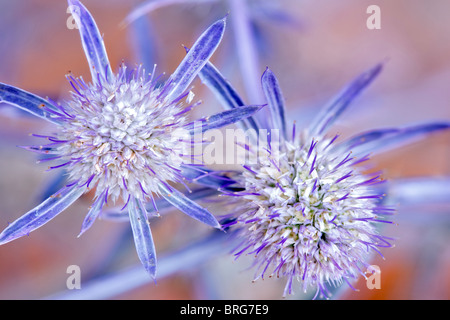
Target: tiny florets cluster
120, 135
309, 213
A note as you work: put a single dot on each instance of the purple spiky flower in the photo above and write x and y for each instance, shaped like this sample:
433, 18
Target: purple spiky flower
306, 209
310, 216
122, 134
309, 212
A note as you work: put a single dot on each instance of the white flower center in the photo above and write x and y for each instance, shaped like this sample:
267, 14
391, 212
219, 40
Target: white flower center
120, 138
308, 213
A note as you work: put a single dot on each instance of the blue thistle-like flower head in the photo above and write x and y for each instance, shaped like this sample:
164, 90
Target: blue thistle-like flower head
123, 135
310, 214
309, 211
120, 135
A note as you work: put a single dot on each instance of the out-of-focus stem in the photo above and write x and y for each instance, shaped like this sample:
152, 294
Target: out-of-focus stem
115, 284
247, 53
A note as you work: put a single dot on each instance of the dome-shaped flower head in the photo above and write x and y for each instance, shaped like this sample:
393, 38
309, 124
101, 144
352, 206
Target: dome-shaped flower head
122, 134
306, 209
309, 211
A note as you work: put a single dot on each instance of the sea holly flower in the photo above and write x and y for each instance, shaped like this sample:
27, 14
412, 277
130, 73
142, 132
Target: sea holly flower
307, 209
120, 134
309, 212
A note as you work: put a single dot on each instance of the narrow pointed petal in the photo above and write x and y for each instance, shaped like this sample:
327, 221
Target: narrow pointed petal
143, 239
28, 102
93, 213
116, 214
377, 141
225, 93
222, 119
195, 60
42, 214
91, 40
339, 104
206, 177
189, 207
275, 100
40, 150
